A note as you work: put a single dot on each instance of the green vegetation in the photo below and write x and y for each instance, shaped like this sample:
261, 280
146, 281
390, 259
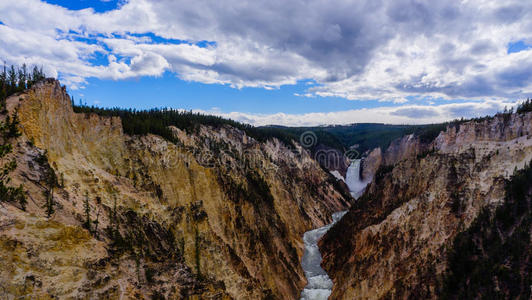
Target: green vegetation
141, 237
49, 204
426, 153
256, 191
150, 273
87, 209
90, 224
15, 80
157, 121
197, 252
114, 226
491, 259
526, 106
457, 204
49, 182
9, 131
368, 136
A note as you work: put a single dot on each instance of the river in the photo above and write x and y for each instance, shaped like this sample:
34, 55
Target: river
319, 285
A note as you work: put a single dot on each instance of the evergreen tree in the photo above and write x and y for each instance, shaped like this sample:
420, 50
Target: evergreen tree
526, 106
12, 79
87, 208
12, 124
37, 75
16, 79
197, 248
22, 74
50, 182
3, 88
49, 194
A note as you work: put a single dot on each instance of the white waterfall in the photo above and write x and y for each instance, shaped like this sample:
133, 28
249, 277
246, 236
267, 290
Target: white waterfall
353, 181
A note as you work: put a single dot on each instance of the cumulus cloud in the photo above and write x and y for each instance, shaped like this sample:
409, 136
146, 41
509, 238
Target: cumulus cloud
369, 49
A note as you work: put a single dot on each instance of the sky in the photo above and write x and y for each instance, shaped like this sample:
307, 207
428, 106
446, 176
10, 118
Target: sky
295, 63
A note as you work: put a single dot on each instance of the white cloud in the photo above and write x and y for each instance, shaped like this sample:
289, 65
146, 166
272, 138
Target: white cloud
411, 114
384, 50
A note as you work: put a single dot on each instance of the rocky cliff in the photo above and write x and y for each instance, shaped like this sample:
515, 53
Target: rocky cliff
217, 215
394, 241
399, 149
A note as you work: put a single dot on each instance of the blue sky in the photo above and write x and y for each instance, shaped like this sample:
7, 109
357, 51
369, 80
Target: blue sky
97, 5
278, 62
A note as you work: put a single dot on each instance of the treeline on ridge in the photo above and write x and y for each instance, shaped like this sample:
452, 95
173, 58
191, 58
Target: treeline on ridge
157, 121
17, 79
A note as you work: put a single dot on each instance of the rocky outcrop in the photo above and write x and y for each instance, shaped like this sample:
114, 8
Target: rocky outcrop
370, 164
332, 159
217, 215
399, 149
403, 148
393, 242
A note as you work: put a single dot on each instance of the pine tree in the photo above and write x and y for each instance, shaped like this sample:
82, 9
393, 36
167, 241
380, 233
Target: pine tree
22, 73
49, 194
12, 79
526, 106
12, 124
3, 89
87, 208
197, 246
96, 223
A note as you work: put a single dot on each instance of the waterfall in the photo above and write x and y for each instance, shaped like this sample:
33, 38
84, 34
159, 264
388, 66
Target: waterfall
353, 181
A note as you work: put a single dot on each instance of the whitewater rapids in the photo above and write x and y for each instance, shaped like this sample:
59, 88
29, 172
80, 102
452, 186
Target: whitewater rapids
319, 285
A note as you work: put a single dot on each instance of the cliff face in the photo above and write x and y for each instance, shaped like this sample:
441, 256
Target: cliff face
400, 149
491, 259
217, 215
393, 241
370, 164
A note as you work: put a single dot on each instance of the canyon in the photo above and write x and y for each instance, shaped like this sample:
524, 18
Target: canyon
215, 213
